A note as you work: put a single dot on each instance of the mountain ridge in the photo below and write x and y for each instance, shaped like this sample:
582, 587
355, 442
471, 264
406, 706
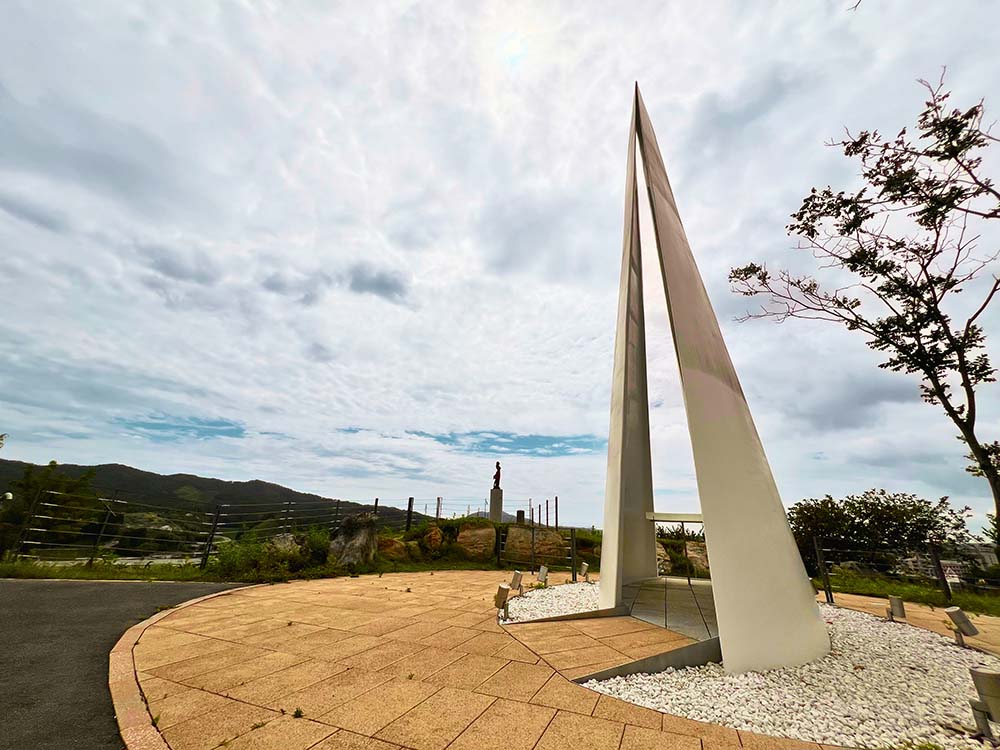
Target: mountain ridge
184, 490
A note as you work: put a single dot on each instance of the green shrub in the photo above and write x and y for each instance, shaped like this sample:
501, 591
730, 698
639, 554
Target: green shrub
255, 562
315, 546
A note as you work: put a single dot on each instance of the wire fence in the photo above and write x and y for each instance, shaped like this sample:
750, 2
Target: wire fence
68, 528
969, 568
63, 527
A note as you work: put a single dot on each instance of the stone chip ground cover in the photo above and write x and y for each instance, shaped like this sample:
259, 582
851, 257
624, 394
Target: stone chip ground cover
555, 600
883, 685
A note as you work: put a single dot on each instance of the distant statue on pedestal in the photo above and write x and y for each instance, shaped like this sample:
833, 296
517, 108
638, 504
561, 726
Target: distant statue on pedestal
496, 498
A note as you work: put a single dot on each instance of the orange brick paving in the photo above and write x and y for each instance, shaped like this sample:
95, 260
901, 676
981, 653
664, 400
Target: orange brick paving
412, 660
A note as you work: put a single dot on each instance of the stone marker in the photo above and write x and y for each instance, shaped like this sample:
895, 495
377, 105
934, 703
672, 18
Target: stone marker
963, 625
543, 575
515, 582
584, 567
895, 610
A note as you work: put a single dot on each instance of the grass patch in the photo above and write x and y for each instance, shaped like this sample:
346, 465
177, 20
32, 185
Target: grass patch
248, 573
909, 591
104, 571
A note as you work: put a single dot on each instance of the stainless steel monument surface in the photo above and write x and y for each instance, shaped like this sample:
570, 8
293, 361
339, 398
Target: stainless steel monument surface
764, 603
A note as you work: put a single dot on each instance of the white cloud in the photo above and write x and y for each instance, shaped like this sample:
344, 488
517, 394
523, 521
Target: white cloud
407, 218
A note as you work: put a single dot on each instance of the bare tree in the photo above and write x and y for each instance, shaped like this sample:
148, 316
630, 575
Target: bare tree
907, 241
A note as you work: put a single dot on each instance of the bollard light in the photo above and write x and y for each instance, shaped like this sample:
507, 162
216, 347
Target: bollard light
963, 625
584, 567
500, 600
895, 610
543, 575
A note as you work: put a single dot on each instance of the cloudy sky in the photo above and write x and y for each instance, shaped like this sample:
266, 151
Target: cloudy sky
368, 249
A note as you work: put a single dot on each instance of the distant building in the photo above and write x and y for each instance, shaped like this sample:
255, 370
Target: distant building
984, 554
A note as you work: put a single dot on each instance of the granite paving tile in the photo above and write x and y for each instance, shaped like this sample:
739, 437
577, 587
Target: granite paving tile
505, 725
438, 720
371, 711
569, 730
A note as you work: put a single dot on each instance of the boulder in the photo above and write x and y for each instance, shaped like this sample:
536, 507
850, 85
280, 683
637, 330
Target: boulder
697, 553
663, 565
413, 550
356, 541
477, 542
392, 549
549, 544
433, 539
284, 543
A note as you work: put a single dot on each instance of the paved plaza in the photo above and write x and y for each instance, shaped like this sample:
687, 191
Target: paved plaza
404, 660
413, 660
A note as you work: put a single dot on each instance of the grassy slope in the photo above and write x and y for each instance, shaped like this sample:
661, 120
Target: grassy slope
913, 592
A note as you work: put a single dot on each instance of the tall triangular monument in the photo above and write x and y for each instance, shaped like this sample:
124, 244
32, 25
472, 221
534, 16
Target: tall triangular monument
764, 602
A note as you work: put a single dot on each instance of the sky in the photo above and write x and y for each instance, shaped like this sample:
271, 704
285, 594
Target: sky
370, 249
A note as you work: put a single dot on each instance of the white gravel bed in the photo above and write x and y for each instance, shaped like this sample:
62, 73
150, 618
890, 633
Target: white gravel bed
883, 685
563, 599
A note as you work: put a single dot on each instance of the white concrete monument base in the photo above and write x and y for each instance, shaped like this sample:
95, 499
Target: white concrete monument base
496, 505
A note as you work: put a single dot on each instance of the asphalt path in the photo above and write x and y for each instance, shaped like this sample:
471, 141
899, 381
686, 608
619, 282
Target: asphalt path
55, 637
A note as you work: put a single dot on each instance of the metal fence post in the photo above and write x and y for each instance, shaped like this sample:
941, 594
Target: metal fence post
496, 545
532, 549
557, 512
375, 513
288, 509
409, 513
939, 570
25, 529
22, 535
100, 535
572, 542
821, 563
211, 536
336, 512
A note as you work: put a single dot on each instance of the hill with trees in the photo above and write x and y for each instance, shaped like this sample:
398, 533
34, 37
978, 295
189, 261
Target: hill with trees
191, 492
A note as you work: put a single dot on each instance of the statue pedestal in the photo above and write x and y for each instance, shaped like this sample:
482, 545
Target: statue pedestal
496, 505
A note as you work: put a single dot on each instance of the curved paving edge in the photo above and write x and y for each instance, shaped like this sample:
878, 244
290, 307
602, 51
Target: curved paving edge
131, 712
589, 642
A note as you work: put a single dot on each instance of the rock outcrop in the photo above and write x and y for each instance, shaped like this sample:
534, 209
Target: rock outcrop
697, 553
433, 539
663, 565
356, 541
285, 543
477, 541
392, 549
549, 544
